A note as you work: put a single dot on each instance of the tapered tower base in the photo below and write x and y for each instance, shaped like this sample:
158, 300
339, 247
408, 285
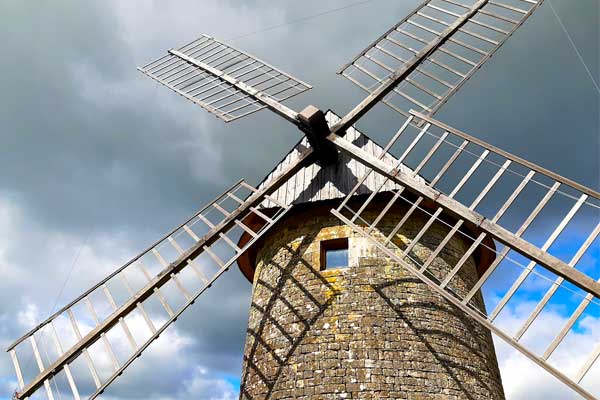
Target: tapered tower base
368, 331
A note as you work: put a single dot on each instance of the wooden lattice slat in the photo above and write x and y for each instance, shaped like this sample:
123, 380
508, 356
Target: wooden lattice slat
567, 199
223, 80
420, 62
209, 232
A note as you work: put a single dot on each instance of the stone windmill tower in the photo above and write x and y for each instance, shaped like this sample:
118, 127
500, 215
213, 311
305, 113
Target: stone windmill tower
368, 262
332, 316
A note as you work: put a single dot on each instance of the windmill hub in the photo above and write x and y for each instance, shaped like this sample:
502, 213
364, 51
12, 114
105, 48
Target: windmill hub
313, 123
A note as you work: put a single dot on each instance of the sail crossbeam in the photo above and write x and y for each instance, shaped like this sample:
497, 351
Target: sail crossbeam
486, 196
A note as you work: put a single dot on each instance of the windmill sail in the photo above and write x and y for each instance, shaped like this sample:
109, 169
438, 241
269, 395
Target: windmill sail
225, 81
545, 229
425, 58
168, 276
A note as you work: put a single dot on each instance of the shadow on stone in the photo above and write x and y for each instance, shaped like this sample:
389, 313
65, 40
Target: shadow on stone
270, 370
431, 338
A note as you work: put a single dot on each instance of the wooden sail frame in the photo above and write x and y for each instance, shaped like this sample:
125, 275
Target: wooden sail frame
489, 226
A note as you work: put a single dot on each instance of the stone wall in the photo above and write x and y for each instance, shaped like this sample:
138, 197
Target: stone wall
369, 331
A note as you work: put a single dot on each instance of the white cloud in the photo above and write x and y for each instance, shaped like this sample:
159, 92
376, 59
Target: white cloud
195, 145
28, 316
203, 386
522, 378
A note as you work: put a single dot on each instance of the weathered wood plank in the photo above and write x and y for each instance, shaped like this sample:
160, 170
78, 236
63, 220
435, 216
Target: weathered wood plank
317, 183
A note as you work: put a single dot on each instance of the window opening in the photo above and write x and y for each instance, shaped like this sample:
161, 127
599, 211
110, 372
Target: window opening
334, 253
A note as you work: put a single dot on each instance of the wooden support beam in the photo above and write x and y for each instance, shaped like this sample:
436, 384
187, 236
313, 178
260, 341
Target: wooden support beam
117, 271
401, 73
468, 310
499, 233
507, 155
162, 278
274, 105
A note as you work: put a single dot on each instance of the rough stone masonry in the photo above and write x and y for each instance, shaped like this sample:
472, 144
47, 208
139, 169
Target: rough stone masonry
368, 331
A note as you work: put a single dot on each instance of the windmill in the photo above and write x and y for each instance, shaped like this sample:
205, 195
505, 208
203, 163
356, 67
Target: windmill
420, 224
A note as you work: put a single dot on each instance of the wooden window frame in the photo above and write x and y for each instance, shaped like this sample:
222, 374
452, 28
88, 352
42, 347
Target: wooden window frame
332, 244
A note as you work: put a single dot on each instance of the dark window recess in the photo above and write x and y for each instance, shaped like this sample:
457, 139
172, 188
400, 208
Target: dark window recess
334, 253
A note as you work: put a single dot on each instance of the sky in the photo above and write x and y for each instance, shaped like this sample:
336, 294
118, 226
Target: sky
97, 161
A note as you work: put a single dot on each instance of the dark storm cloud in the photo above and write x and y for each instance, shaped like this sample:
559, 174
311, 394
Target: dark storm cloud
89, 144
